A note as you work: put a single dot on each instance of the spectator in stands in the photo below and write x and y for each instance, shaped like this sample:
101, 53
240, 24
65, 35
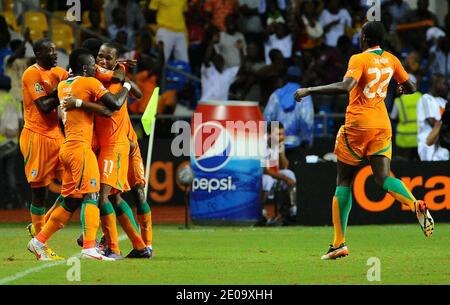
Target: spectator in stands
120, 25
335, 20
10, 116
405, 111
177, 100
15, 65
227, 43
96, 19
252, 25
309, 31
297, 119
134, 17
218, 10
273, 10
195, 21
278, 37
246, 87
278, 179
170, 17
429, 113
147, 76
271, 76
413, 27
397, 9
216, 79
392, 42
5, 82
198, 56
440, 58
441, 131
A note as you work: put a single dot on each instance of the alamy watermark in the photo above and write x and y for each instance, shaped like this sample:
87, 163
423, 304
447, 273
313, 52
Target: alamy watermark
374, 11
73, 274
74, 11
209, 139
374, 272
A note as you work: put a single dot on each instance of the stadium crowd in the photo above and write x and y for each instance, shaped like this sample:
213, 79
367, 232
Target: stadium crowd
253, 50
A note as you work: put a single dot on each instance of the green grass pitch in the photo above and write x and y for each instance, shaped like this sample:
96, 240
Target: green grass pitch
221, 255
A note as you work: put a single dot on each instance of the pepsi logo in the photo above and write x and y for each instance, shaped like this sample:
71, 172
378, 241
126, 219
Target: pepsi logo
212, 146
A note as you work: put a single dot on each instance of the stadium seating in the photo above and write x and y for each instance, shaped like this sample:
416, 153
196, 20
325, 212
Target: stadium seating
8, 5
85, 22
11, 20
62, 33
37, 22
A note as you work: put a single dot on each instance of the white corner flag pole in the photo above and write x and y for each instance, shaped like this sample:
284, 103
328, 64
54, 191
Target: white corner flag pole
149, 158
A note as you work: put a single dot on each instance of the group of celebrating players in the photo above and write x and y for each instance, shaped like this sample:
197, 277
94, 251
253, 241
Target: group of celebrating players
98, 156
94, 152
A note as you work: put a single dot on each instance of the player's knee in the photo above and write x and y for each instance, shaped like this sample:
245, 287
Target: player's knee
380, 178
70, 204
139, 194
91, 197
39, 196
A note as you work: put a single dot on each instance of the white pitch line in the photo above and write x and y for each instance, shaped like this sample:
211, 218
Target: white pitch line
22, 274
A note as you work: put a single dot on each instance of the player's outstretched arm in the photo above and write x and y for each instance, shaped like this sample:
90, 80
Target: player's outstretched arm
73, 103
116, 101
49, 102
333, 89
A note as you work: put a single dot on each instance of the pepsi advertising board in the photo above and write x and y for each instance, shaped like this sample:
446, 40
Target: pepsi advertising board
225, 156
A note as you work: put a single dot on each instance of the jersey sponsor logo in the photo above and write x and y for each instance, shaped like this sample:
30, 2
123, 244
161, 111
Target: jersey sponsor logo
38, 88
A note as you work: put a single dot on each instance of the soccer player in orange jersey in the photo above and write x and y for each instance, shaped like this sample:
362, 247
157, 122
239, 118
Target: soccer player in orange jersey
81, 179
41, 136
136, 180
367, 131
112, 135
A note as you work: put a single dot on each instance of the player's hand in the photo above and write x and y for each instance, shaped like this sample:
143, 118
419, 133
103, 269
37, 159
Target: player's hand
401, 90
68, 103
129, 63
301, 93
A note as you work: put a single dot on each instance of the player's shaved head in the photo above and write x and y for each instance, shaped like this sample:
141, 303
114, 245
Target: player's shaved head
45, 51
40, 44
372, 33
82, 62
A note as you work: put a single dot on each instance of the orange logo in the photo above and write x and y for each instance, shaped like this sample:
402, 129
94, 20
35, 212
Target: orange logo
437, 195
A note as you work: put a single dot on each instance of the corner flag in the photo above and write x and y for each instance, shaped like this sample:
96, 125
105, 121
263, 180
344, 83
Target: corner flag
150, 112
148, 121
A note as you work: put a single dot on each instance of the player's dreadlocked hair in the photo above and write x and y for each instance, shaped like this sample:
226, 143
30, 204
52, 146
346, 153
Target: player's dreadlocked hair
374, 33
